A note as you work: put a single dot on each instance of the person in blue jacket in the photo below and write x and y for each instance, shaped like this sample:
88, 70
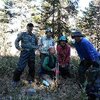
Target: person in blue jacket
87, 53
27, 56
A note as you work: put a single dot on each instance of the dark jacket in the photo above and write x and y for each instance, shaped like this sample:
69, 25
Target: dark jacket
28, 41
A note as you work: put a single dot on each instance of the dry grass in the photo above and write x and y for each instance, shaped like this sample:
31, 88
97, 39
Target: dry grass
68, 89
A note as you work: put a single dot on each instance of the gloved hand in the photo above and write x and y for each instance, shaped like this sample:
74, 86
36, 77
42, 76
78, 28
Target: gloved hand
53, 69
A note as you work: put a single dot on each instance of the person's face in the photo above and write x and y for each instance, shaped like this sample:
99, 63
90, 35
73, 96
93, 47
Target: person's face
77, 39
62, 43
52, 51
49, 34
29, 29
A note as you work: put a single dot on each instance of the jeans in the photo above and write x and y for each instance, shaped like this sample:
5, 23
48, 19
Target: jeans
26, 58
81, 71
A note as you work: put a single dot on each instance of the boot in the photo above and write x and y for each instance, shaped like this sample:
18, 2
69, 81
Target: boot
17, 75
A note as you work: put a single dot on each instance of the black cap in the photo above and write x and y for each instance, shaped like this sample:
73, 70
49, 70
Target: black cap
30, 25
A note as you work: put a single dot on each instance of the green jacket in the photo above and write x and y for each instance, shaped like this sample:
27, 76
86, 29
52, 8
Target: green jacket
49, 62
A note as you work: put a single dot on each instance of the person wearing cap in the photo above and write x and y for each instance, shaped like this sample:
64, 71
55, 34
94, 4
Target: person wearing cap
49, 64
63, 56
45, 43
27, 56
87, 53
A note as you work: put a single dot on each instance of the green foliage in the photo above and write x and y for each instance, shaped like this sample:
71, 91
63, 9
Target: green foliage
55, 16
26, 98
7, 65
37, 18
83, 96
88, 19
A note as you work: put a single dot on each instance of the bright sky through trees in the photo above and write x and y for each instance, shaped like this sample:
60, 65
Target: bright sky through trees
83, 4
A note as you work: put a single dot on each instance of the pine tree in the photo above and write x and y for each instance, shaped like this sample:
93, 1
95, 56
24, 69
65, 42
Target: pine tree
55, 15
90, 23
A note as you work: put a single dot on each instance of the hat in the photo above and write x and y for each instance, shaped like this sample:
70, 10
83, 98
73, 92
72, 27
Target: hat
77, 34
63, 38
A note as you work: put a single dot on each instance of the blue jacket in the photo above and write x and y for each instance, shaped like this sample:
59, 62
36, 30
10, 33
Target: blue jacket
86, 50
28, 41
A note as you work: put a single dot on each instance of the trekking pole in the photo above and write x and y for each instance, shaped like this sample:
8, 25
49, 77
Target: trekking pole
57, 74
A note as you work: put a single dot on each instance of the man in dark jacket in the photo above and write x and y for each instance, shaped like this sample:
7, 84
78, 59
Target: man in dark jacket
27, 55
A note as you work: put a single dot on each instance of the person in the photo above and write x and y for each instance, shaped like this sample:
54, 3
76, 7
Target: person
49, 64
89, 57
45, 42
27, 55
63, 56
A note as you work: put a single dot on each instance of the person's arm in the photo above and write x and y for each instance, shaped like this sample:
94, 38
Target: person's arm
19, 37
89, 49
36, 46
53, 42
45, 64
36, 40
68, 55
59, 57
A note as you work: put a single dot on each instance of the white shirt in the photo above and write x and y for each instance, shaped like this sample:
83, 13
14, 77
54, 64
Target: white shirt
45, 44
